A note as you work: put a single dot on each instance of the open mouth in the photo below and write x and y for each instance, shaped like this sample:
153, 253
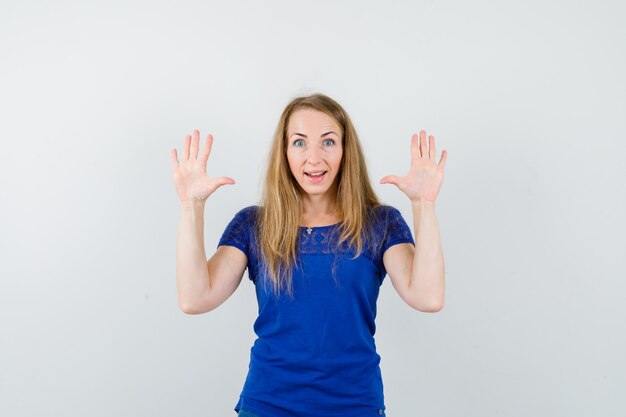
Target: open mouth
316, 177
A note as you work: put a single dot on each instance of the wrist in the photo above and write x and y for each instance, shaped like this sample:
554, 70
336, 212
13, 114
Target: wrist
420, 202
192, 204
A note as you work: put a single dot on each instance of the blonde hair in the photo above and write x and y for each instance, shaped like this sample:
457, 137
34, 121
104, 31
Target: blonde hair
279, 216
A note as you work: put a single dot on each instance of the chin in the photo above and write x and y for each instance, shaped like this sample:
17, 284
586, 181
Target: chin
315, 190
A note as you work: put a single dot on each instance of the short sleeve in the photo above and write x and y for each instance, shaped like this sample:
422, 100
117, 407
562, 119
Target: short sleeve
237, 232
396, 230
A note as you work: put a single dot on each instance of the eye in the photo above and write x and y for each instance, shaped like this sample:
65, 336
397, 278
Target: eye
295, 143
332, 141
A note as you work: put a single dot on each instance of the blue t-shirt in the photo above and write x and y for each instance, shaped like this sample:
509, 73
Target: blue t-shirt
315, 354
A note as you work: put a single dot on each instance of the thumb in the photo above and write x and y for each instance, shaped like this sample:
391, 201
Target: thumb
390, 179
224, 180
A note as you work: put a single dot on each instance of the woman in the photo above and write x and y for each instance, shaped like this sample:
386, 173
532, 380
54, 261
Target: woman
317, 249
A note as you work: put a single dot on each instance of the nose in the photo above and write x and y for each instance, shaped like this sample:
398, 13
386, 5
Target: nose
314, 156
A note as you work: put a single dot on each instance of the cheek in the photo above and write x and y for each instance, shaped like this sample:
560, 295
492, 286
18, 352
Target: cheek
293, 162
337, 160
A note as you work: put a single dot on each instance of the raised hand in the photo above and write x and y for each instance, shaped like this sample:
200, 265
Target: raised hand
190, 178
425, 176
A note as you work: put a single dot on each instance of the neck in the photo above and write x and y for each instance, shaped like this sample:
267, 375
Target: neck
319, 210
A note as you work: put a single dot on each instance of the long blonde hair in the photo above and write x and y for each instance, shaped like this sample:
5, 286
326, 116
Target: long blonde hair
279, 216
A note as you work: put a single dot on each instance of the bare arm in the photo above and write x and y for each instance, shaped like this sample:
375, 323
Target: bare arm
192, 275
418, 274
202, 285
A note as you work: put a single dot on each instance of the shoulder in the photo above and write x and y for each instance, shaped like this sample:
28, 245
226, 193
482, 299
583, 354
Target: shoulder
247, 213
248, 210
391, 225
382, 219
245, 218
383, 213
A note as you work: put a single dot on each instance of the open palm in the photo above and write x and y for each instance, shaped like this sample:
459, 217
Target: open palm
425, 176
190, 178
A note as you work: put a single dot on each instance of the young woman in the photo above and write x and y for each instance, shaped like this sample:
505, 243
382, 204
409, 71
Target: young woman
317, 249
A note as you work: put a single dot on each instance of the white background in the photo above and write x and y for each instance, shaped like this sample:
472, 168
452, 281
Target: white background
529, 99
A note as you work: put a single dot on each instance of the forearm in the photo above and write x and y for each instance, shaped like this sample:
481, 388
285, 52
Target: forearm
427, 274
192, 276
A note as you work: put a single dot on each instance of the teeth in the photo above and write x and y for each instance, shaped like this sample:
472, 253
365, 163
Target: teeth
315, 175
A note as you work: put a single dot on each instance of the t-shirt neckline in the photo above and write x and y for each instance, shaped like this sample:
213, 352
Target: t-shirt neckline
320, 227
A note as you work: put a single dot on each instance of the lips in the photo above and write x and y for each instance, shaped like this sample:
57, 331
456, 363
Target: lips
315, 177
315, 173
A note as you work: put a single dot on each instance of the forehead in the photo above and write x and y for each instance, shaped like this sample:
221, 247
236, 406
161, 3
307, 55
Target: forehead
311, 120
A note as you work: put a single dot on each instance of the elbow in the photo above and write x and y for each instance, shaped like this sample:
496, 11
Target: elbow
431, 307
187, 308
436, 307
191, 308
196, 302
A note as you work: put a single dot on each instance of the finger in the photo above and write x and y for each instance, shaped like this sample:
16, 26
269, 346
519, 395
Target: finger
222, 181
444, 158
225, 181
390, 179
432, 153
423, 150
186, 148
206, 150
415, 152
174, 158
195, 144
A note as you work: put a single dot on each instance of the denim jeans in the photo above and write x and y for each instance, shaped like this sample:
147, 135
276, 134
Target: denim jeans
244, 413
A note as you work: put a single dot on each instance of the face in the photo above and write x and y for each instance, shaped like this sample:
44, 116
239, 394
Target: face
314, 147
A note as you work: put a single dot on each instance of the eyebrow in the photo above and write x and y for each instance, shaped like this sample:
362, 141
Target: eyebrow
303, 135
